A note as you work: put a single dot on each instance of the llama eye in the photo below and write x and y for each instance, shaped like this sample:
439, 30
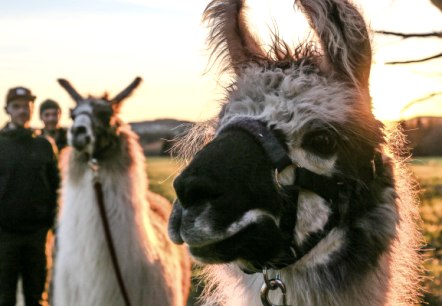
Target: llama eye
322, 142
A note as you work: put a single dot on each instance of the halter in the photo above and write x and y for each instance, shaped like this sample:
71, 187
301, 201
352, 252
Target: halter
329, 188
96, 154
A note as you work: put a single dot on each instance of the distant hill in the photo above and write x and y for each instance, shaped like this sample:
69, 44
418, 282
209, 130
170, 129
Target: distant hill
156, 137
424, 135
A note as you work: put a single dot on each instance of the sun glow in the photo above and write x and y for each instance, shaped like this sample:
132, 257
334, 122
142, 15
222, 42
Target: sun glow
390, 91
392, 86
101, 45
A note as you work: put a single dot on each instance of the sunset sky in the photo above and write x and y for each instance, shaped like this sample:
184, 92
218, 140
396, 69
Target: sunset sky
102, 45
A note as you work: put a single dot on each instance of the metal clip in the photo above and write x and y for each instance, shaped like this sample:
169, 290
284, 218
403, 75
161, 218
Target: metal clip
93, 164
272, 284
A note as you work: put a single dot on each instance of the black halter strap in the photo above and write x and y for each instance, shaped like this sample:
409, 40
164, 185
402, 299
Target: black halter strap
258, 130
326, 187
98, 152
83, 113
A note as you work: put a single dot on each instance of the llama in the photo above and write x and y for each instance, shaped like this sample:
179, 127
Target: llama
154, 270
295, 177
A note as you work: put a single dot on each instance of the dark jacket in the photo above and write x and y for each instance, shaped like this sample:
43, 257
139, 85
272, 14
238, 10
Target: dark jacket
59, 136
29, 181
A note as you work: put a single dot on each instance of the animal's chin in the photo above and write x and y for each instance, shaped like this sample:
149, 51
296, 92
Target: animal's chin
81, 143
254, 247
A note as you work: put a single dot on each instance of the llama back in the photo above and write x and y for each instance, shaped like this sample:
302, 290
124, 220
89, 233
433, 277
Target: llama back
178, 264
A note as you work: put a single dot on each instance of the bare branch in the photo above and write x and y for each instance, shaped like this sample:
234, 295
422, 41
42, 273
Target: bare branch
437, 3
415, 61
411, 35
420, 100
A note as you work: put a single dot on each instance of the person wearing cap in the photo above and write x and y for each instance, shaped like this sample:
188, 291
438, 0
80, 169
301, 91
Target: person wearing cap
50, 113
29, 182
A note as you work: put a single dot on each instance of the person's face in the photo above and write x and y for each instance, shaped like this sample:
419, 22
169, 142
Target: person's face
50, 118
20, 111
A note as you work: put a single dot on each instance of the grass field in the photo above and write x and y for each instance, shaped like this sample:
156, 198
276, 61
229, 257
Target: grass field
162, 170
429, 174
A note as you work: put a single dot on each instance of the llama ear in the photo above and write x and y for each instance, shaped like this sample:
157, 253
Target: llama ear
343, 36
125, 93
229, 37
70, 89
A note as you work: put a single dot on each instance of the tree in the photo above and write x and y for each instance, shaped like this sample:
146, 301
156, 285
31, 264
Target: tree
438, 4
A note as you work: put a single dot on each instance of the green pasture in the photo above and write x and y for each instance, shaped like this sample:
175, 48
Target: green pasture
428, 171
161, 171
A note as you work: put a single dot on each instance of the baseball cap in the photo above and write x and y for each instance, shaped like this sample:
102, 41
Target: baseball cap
19, 92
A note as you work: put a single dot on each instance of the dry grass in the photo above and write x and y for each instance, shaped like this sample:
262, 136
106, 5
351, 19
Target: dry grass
161, 172
429, 174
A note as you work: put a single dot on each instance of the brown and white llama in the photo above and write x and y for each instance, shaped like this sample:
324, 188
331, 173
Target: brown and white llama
296, 175
154, 270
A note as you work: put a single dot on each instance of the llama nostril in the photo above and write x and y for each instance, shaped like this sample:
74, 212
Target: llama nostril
195, 190
79, 130
80, 137
174, 225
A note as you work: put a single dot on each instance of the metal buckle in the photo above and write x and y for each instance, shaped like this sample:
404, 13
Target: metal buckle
293, 166
93, 165
272, 284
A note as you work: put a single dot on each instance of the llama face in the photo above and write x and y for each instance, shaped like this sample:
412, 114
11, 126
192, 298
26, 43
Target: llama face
230, 201
315, 100
95, 123
91, 123
218, 216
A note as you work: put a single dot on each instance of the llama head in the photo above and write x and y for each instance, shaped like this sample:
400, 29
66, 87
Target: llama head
314, 104
95, 123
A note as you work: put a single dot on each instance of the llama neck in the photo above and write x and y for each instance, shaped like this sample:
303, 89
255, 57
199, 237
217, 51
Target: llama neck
302, 286
123, 179
122, 159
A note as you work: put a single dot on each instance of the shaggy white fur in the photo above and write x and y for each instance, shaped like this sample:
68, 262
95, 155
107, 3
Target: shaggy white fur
155, 272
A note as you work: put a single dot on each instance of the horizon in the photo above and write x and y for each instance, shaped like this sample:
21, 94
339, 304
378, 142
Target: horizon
102, 45
190, 121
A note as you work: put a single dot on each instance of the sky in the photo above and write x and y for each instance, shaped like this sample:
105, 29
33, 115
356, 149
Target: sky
102, 45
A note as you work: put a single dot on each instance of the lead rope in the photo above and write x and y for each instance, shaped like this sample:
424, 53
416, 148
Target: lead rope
272, 284
93, 164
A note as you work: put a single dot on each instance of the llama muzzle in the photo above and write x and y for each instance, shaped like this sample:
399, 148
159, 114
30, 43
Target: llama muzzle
175, 223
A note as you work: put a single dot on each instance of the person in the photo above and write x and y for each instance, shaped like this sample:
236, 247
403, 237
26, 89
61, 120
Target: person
29, 180
50, 113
